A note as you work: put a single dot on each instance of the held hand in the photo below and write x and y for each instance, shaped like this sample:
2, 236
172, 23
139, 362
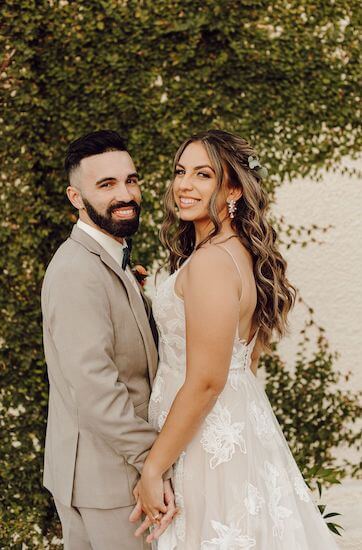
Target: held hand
136, 513
150, 493
166, 518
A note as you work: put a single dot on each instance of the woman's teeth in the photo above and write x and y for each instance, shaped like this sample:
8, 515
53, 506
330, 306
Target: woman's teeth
188, 202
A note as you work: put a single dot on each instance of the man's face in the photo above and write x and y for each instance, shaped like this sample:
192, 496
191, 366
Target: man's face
105, 189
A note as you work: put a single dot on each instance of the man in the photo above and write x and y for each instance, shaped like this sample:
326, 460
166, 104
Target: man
101, 355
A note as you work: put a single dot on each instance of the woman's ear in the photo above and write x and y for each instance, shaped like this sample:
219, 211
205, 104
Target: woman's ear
234, 194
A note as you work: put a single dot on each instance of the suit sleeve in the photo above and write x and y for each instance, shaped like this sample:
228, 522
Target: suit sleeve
79, 319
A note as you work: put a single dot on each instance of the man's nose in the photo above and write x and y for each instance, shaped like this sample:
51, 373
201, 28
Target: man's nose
123, 193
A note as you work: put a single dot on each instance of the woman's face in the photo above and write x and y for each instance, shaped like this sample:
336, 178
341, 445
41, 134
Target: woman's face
194, 183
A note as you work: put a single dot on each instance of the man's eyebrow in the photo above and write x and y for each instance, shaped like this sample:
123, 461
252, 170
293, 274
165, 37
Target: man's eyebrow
197, 167
112, 178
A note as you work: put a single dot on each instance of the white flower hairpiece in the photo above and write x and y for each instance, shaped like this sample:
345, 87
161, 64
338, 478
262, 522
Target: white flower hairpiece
254, 164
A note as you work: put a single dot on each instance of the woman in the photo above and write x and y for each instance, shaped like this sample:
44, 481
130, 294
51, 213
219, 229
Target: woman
236, 483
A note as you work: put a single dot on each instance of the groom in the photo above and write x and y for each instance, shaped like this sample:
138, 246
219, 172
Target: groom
100, 353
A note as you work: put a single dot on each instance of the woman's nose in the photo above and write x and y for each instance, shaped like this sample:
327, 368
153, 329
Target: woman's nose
186, 182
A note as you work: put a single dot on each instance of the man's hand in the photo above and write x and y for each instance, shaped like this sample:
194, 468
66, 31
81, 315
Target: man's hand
164, 522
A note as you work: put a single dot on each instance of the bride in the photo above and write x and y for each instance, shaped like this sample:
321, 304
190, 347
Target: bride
235, 480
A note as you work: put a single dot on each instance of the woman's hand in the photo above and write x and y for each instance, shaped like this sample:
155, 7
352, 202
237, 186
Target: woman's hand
149, 492
166, 519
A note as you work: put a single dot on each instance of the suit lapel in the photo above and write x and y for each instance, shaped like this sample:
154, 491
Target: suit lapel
144, 299
137, 307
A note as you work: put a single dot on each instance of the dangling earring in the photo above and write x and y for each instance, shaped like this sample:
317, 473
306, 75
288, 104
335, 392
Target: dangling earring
232, 208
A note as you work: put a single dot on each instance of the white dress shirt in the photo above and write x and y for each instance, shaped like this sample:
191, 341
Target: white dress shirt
110, 245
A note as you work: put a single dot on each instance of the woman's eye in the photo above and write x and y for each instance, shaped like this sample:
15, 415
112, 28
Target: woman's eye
203, 174
178, 171
132, 181
105, 185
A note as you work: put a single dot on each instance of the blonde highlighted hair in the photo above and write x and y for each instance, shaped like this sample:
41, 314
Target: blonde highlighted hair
229, 154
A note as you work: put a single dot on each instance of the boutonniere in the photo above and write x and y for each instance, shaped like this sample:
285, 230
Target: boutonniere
141, 274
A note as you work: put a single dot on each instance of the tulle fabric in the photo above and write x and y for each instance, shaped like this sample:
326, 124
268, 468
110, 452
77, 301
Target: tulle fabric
237, 484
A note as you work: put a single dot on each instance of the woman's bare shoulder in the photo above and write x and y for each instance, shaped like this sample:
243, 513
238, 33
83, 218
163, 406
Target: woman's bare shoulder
211, 257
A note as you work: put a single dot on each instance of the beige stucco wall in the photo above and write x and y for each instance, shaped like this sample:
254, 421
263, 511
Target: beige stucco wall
328, 275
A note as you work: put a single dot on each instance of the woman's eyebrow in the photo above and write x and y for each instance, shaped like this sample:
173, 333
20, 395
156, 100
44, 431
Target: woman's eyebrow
197, 167
204, 166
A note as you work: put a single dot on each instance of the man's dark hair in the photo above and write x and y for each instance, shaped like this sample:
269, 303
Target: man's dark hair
94, 143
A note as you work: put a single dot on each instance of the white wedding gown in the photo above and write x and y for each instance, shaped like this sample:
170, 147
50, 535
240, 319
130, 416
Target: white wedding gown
237, 484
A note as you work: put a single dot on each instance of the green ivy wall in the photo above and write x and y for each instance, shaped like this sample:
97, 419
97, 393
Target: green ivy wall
282, 74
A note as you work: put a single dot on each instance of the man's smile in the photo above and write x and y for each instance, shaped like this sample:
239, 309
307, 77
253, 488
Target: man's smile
124, 213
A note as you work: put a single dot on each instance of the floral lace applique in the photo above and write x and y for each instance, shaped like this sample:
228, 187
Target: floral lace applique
221, 436
253, 500
241, 353
262, 422
228, 538
240, 360
172, 340
158, 387
277, 512
236, 377
161, 302
161, 419
180, 522
301, 488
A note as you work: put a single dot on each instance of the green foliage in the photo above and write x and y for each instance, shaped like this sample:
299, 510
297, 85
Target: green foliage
283, 75
315, 415
318, 475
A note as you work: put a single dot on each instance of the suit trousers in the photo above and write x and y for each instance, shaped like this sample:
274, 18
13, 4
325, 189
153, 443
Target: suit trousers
99, 529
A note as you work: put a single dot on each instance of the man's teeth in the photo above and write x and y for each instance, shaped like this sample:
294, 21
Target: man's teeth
123, 211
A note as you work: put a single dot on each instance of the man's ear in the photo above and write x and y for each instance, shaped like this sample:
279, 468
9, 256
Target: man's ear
75, 197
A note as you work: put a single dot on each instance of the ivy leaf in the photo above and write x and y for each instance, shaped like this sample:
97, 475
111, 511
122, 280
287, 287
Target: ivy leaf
334, 528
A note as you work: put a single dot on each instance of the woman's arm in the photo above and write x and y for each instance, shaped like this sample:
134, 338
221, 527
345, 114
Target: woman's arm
211, 289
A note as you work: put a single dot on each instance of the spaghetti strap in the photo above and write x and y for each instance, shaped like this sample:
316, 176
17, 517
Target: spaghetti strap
235, 262
253, 340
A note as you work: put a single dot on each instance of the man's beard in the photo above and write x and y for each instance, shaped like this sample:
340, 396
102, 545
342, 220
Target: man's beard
117, 228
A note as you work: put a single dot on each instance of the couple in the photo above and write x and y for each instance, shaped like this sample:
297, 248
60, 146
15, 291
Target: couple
180, 446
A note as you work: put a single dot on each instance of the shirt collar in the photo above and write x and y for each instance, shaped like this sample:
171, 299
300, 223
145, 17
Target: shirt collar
110, 245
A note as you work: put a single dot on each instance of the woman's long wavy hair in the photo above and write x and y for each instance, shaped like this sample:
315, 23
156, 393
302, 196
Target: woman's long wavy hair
229, 157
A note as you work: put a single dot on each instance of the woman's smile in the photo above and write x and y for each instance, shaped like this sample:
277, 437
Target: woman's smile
188, 202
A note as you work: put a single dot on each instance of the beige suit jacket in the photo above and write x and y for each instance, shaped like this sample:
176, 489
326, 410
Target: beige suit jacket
101, 359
